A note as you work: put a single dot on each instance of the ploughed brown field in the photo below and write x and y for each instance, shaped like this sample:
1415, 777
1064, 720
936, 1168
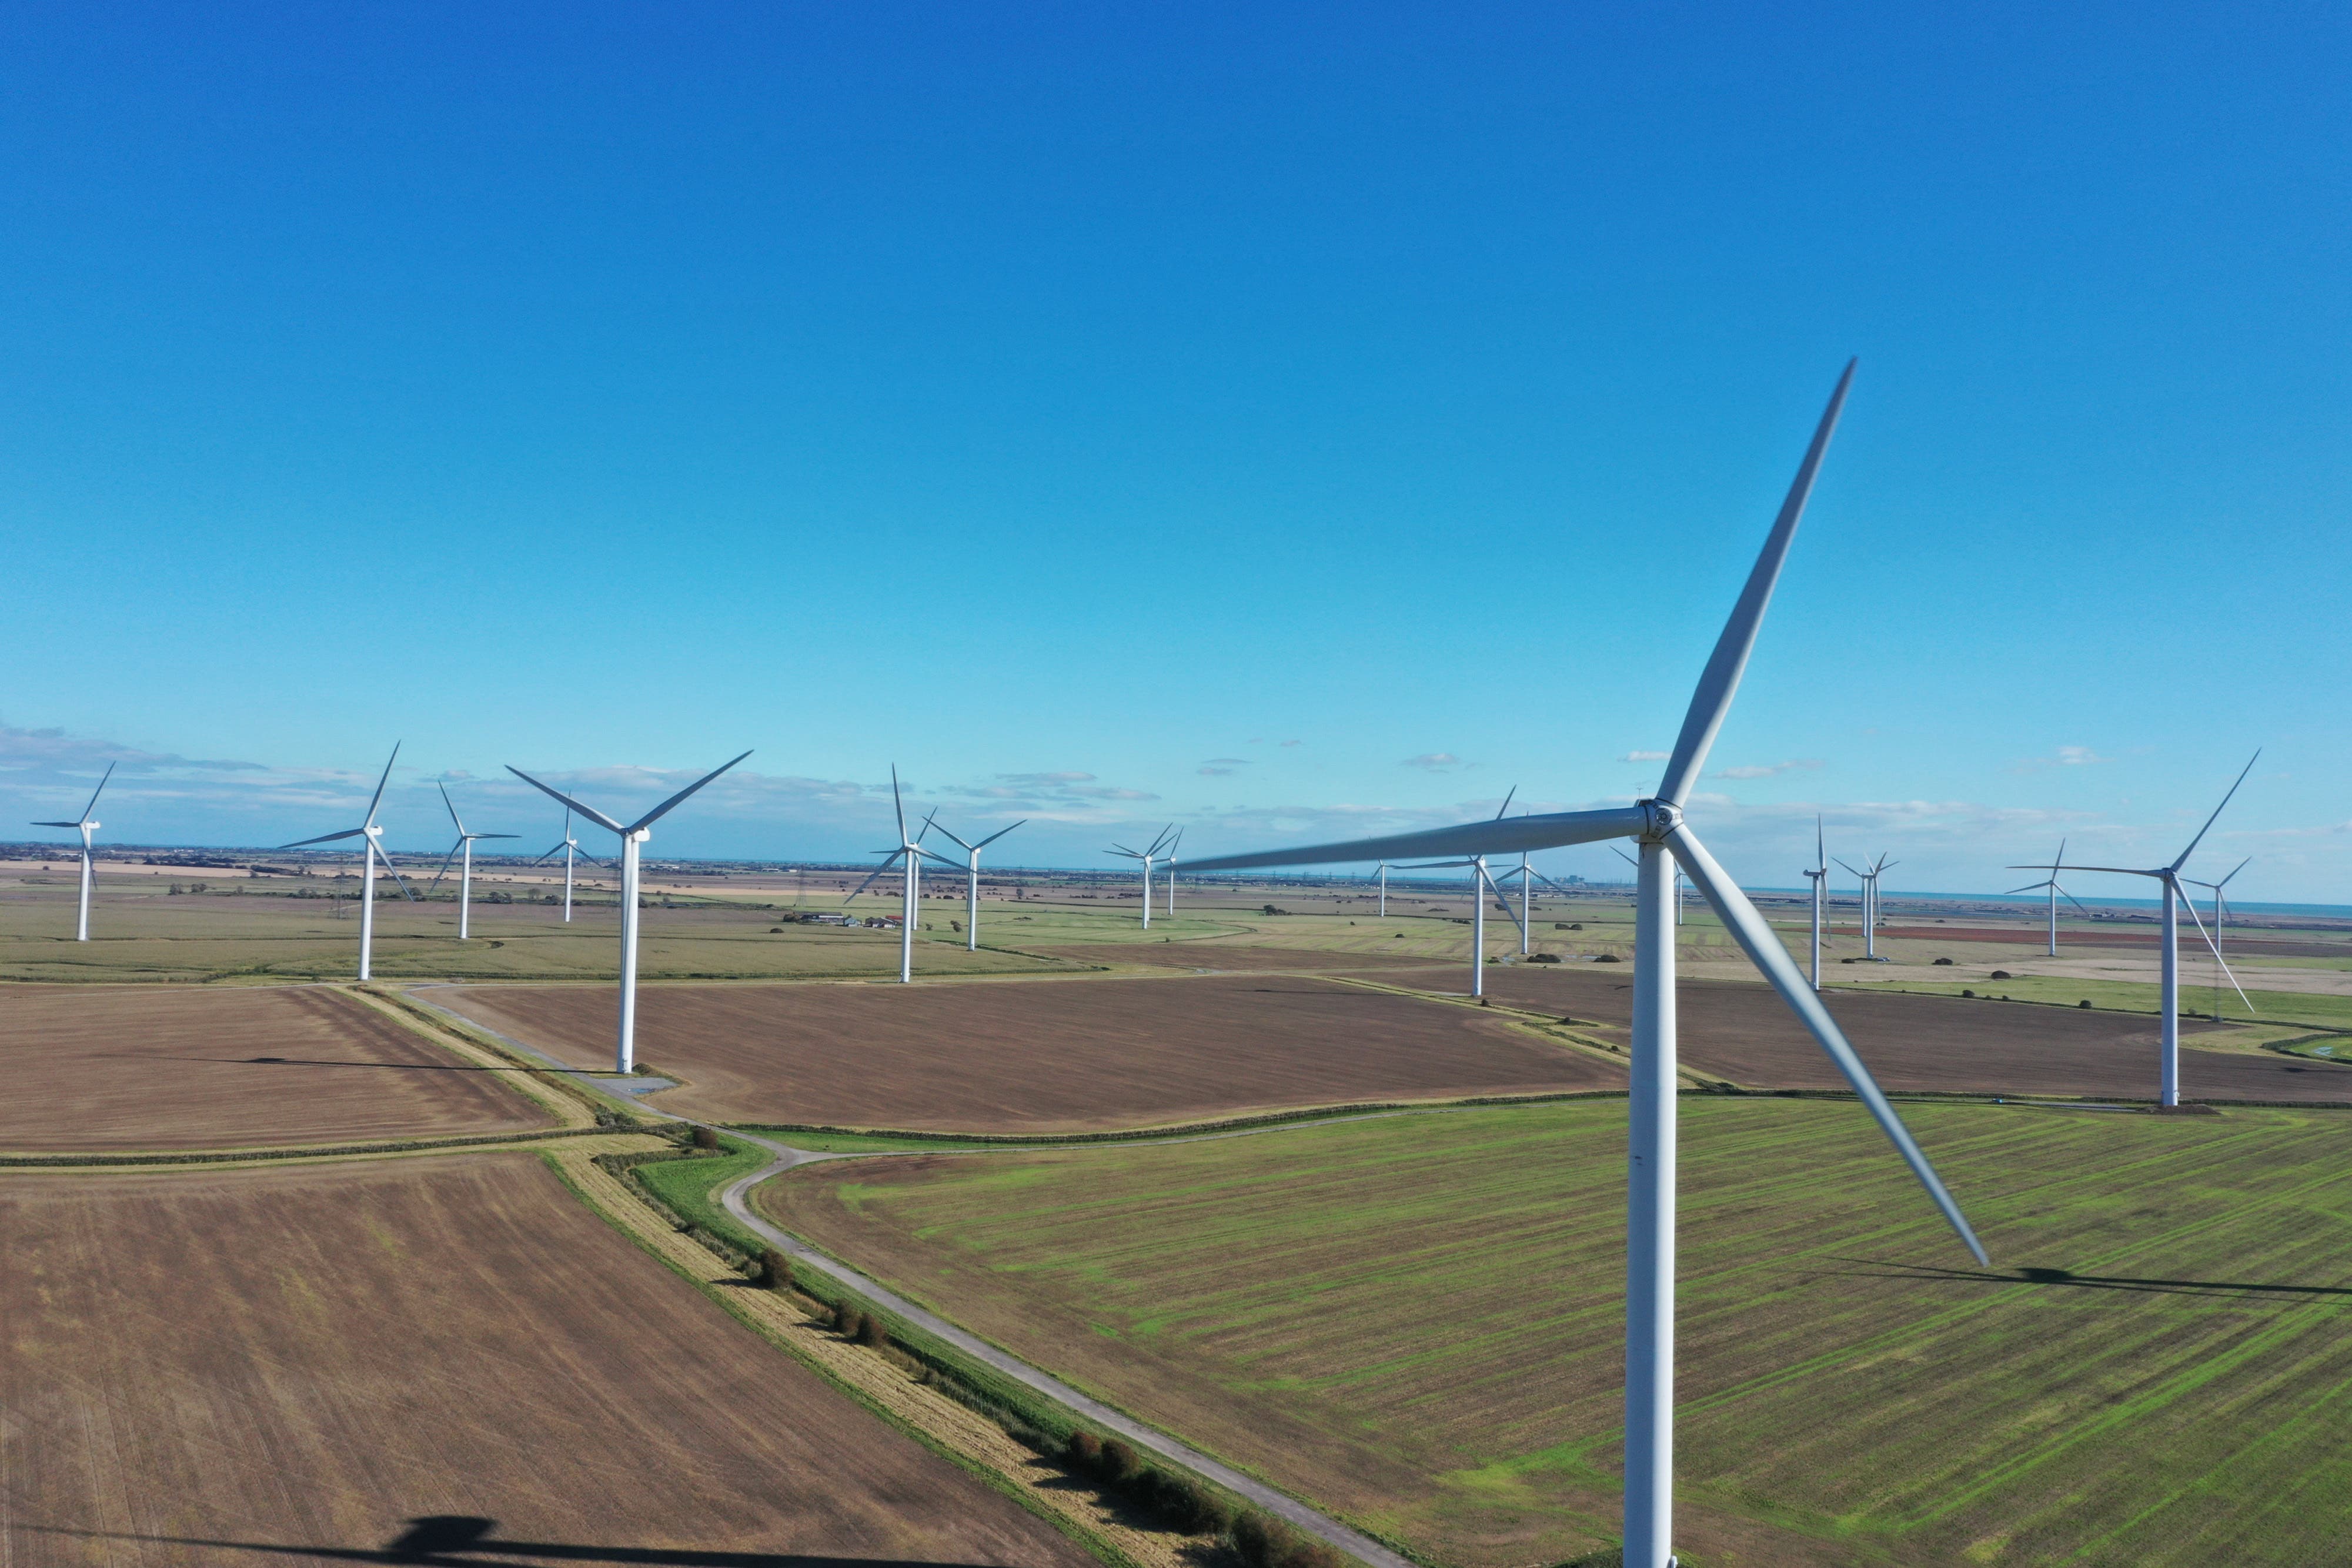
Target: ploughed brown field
1055, 1056
170, 1067
241, 1367
1746, 1034
2019, 937
1220, 955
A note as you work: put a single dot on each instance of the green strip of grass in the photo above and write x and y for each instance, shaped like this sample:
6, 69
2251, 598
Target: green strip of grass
2132, 997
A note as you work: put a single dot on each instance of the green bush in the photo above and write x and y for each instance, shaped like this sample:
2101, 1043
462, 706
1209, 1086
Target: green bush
1083, 1452
705, 1137
846, 1320
773, 1270
1121, 1466
873, 1333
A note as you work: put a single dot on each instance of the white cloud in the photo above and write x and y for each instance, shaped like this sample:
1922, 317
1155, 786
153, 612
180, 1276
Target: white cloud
1432, 762
2064, 757
1767, 770
1646, 756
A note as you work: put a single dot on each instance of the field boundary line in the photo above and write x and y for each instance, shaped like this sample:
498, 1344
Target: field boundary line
972, 1441
1280, 1503
568, 1109
104, 1161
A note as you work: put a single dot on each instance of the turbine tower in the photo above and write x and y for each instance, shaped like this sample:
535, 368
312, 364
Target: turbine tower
971, 883
632, 839
1819, 875
88, 827
1144, 857
1630, 860
910, 852
2168, 1062
1666, 838
2054, 868
1384, 889
1528, 874
464, 845
368, 831
1869, 879
1174, 844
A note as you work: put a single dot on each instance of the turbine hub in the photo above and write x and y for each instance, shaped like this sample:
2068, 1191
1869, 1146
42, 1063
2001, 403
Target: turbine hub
1661, 817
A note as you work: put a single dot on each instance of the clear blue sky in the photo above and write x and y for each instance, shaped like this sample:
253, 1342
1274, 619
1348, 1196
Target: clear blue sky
1077, 404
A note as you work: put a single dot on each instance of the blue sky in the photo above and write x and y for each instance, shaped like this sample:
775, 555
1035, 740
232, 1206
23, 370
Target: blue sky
1282, 419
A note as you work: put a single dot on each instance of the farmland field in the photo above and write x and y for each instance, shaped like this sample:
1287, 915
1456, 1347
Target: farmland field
183, 1067
249, 1366
1039, 1056
1744, 1033
1417, 1322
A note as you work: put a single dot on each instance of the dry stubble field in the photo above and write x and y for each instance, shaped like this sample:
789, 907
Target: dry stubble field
1035, 1057
180, 1067
1418, 1321
243, 1367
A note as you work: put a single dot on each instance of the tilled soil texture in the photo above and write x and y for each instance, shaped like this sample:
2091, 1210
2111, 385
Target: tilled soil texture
2191, 944
244, 1367
1957, 1044
1215, 956
156, 1067
1032, 1057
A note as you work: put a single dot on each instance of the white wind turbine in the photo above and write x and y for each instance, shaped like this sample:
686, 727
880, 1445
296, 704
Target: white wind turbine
1174, 844
910, 853
2169, 1062
972, 879
2221, 912
1528, 875
88, 827
1630, 860
1384, 889
570, 847
367, 830
1869, 904
1819, 876
464, 845
1481, 885
1143, 858
1665, 837
2057, 892
632, 839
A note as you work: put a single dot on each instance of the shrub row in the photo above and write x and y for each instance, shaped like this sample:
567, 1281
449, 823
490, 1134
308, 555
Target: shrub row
1184, 1503
297, 1152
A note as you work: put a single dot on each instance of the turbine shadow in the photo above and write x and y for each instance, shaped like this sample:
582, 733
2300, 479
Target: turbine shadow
1872, 1268
464, 1541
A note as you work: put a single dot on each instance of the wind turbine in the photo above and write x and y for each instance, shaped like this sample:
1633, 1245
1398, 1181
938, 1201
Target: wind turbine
971, 886
2168, 1065
1869, 904
465, 875
368, 831
1482, 886
88, 827
1526, 900
1384, 889
2054, 868
1665, 838
1175, 844
910, 852
633, 838
1819, 876
2221, 910
1144, 857
571, 847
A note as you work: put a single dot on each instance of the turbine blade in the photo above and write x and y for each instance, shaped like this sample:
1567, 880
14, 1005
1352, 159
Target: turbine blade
2029, 887
445, 865
960, 842
1764, 950
2249, 768
79, 825
453, 809
2110, 870
1865, 875
1553, 886
479, 837
94, 794
594, 815
2216, 946
1549, 830
1507, 803
2073, 900
2217, 886
377, 799
549, 855
878, 870
1621, 855
321, 839
650, 818
992, 837
1499, 898
1820, 845
898, 803
393, 872
1716, 685
1423, 865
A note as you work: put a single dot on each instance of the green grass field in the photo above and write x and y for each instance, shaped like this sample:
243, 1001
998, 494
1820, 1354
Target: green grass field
1417, 1322
2129, 995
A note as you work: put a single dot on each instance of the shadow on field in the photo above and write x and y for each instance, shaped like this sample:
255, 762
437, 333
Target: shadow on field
461, 1541
2061, 1277
307, 1061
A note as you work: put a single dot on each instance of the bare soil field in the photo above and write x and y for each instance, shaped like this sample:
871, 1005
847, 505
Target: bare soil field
2149, 941
1066, 1056
1231, 956
169, 1067
453, 1339
1746, 1034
